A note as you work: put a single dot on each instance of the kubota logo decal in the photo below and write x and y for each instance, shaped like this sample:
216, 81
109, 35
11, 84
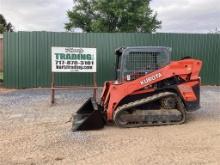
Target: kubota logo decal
151, 78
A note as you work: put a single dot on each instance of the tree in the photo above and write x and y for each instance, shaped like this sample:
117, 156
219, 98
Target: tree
4, 26
112, 16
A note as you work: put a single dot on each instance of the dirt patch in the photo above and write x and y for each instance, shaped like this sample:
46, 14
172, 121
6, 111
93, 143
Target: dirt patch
34, 132
5, 90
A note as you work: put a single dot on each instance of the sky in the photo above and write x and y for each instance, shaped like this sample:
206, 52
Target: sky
181, 16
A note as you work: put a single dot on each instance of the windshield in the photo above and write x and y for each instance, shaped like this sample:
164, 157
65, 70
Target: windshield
137, 63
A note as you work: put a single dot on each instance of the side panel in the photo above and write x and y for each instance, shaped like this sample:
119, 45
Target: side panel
191, 103
191, 98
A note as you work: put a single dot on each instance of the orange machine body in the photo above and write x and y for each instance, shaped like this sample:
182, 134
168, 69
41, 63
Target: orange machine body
186, 70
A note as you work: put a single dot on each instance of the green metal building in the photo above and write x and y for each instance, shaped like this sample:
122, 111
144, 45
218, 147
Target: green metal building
27, 55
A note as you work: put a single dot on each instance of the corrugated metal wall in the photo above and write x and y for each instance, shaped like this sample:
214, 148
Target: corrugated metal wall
27, 55
1, 52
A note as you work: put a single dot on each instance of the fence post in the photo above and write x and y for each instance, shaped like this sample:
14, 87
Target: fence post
52, 89
95, 86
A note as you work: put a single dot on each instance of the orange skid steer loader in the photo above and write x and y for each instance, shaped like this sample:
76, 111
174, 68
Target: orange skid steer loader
149, 90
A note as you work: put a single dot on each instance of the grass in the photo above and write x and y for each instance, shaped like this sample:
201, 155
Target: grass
1, 75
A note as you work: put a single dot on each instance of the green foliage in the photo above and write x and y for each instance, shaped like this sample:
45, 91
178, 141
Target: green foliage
112, 16
1, 76
4, 26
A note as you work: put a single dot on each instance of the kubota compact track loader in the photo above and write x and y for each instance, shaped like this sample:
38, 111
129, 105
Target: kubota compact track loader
149, 90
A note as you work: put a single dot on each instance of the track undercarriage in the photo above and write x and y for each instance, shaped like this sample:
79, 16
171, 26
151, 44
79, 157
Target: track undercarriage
171, 111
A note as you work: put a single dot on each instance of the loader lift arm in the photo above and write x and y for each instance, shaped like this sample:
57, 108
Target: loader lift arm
187, 70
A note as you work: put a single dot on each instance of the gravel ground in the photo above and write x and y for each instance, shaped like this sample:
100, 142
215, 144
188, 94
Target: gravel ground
34, 132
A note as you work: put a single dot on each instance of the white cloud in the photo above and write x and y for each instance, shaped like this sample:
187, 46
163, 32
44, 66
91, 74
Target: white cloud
195, 16
36, 15
176, 15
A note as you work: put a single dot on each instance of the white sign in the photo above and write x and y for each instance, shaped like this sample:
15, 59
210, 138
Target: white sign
71, 59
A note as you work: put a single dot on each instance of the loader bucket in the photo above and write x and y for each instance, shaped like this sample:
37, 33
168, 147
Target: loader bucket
88, 117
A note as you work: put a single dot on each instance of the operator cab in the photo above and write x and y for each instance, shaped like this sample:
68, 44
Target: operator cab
134, 62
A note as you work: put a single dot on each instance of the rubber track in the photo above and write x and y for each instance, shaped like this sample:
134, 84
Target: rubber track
180, 108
